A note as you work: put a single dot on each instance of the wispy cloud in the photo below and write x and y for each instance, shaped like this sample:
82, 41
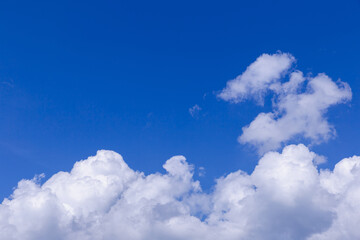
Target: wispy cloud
194, 111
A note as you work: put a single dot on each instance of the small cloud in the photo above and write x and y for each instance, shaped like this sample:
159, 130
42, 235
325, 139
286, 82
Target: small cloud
8, 83
205, 95
201, 171
319, 159
149, 120
194, 111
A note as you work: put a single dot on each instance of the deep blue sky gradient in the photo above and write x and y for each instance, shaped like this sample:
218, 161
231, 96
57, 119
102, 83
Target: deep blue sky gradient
78, 76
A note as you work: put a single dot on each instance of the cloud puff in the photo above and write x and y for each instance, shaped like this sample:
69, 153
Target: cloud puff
299, 104
285, 197
194, 110
257, 78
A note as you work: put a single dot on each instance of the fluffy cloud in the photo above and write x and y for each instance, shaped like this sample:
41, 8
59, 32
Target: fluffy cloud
299, 104
286, 197
258, 78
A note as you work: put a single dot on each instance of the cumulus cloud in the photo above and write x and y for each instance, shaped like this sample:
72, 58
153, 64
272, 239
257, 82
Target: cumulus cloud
257, 78
299, 104
285, 197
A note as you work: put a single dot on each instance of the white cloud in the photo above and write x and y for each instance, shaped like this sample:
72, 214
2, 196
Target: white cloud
285, 197
194, 110
299, 104
257, 78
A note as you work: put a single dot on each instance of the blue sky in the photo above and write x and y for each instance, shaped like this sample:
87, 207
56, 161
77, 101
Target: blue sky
78, 77
261, 97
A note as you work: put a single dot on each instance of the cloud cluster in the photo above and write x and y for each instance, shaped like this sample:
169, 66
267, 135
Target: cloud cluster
299, 104
285, 197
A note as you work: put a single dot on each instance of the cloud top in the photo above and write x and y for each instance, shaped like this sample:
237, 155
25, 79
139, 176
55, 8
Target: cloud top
257, 78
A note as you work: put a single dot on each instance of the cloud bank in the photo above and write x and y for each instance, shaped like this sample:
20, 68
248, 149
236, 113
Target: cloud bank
285, 197
299, 104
